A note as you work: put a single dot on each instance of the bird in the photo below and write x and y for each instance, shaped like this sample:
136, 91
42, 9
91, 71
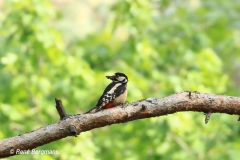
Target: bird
114, 94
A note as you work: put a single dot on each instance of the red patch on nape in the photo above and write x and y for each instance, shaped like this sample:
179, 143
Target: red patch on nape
109, 105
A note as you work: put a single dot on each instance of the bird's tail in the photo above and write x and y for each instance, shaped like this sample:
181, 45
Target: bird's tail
93, 110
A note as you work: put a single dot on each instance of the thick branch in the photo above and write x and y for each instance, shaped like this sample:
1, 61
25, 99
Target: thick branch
150, 107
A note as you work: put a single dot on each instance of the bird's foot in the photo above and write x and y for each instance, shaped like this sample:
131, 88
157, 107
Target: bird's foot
122, 105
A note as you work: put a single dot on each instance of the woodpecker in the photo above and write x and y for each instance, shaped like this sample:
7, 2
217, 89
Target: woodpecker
114, 94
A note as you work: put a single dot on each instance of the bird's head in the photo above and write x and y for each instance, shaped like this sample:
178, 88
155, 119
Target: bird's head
118, 77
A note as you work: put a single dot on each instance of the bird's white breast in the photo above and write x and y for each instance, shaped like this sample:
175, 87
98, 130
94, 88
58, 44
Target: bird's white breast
121, 99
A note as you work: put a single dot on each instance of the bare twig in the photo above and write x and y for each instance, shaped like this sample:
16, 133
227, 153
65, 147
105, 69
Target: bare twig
61, 111
150, 107
207, 118
63, 115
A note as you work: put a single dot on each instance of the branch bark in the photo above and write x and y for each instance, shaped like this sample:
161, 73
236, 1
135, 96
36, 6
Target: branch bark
151, 107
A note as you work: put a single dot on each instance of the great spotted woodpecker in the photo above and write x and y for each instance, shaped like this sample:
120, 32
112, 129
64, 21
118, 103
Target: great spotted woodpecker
114, 94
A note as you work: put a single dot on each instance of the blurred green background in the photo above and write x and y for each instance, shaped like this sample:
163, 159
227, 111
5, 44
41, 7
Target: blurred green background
64, 49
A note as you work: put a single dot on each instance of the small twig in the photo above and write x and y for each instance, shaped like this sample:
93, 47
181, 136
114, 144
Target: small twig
207, 118
61, 111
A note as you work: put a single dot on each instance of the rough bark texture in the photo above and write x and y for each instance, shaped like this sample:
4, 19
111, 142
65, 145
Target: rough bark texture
151, 107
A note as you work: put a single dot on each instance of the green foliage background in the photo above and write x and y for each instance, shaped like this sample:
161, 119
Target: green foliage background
64, 49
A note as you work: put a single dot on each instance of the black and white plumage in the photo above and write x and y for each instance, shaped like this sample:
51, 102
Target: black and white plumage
114, 94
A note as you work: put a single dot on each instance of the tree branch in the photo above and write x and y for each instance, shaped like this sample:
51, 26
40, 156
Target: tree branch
151, 107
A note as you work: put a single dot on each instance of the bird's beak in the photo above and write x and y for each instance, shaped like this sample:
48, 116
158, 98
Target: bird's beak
113, 78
